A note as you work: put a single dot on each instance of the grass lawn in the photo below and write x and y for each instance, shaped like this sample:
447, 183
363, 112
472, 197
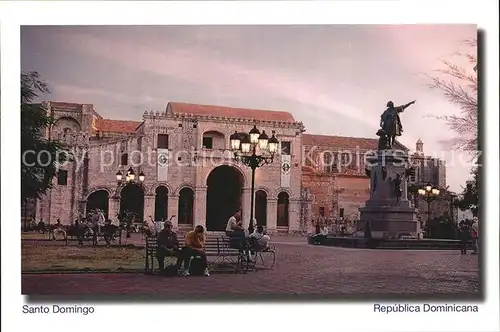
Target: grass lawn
39, 257
35, 236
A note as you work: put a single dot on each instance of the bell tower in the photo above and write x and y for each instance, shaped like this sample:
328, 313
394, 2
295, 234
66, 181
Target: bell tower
420, 147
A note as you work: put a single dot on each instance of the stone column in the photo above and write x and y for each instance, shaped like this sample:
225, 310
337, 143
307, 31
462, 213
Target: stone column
200, 206
247, 197
173, 209
404, 183
272, 209
149, 206
294, 216
113, 207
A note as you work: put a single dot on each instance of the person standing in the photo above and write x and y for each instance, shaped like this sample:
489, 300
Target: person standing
475, 235
464, 235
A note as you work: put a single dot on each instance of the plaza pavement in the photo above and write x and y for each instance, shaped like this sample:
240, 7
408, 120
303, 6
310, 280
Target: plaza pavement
300, 270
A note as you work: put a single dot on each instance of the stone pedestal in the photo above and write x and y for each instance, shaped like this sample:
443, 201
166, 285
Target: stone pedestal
387, 217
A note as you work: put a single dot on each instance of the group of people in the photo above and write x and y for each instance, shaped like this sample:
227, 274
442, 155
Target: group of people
169, 246
469, 230
237, 234
91, 225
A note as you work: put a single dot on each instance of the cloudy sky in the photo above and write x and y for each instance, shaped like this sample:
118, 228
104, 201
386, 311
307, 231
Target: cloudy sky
336, 79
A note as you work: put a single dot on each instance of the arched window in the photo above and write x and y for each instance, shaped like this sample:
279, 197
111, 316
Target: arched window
283, 209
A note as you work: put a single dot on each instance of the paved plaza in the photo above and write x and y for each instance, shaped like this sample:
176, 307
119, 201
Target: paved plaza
300, 270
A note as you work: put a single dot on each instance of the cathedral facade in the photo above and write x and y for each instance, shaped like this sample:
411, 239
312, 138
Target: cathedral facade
176, 164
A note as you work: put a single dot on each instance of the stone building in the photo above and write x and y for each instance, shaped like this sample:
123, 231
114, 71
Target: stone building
187, 171
185, 165
334, 169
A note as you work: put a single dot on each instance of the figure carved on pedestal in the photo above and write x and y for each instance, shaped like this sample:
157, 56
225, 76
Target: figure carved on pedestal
384, 173
397, 189
383, 142
390, 121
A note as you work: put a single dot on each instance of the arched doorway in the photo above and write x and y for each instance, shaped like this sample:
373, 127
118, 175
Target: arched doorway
224, 196
261, 207
283, 212
161, 203
98, 200
132, 202
186, 202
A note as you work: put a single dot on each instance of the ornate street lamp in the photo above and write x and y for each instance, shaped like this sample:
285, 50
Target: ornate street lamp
245, 151
129, 176
428, 193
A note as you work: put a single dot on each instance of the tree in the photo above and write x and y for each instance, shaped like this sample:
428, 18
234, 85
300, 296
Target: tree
40, 156
470, 194
460, 88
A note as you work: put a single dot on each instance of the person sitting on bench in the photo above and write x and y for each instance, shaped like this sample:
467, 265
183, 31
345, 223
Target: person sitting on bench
320, 237
259, 239
58, 229
168, 246
195, 247
235, 230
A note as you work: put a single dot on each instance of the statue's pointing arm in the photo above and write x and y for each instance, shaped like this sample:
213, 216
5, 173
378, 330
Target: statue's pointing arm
403, 107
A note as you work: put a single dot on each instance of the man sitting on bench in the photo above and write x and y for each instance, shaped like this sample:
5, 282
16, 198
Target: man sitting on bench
235, 230
58, 229
259, 239
195, 247
168, 246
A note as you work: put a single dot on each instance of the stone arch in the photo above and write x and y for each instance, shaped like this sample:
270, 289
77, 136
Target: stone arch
61, 120
231, 164
280, 190
182, 186
186, 206
65, 128
145, 190
215, 138
161, 202
261, 202
132, 201
94, 189
264, 189
97, 199
283, 209
224, 195
161, 184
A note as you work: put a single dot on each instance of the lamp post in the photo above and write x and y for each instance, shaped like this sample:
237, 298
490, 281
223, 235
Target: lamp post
129, 178
428, 193
253, 150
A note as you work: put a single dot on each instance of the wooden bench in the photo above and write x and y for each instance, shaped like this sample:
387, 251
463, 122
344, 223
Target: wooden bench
216, 247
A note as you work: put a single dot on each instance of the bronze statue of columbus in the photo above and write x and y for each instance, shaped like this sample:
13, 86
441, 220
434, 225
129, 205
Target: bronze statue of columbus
391, 123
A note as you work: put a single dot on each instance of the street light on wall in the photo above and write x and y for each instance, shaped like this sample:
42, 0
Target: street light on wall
245, 151
428, 193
